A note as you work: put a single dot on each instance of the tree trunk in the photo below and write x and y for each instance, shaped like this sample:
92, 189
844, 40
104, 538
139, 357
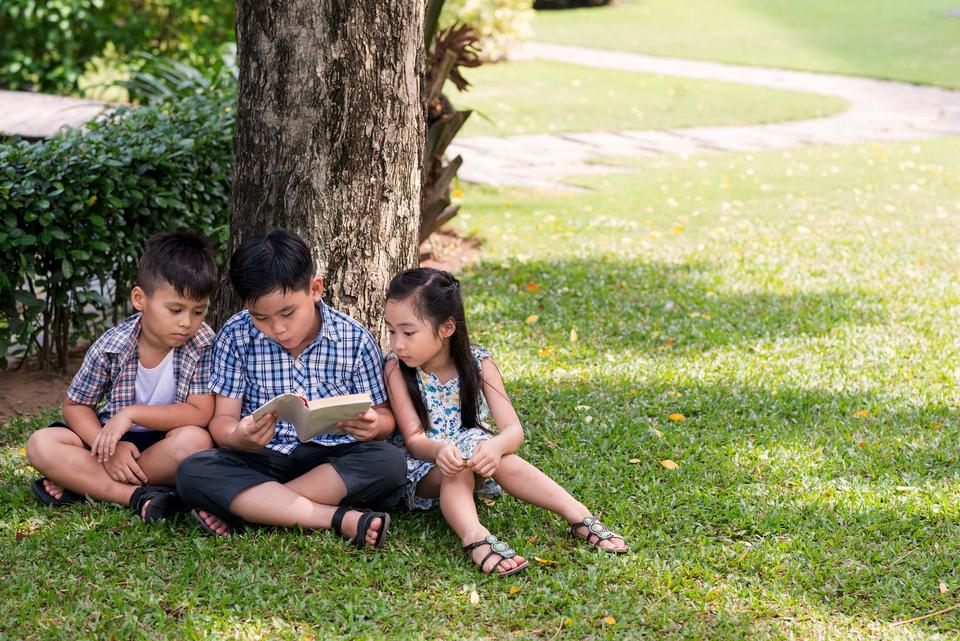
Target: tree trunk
329, 140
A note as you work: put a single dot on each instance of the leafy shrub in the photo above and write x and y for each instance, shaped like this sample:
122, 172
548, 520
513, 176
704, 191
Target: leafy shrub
501, 24
47, 45
77, 209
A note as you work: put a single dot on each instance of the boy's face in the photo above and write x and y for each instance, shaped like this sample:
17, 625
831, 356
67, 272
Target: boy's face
291, 318
169, 319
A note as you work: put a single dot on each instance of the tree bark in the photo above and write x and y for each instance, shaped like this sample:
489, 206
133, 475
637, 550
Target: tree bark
329, 140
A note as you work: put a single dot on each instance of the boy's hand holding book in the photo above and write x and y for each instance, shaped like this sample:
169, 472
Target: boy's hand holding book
254, 433
363, 427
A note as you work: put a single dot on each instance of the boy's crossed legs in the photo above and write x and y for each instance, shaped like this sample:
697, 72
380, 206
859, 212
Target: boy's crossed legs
66, 463
303, 489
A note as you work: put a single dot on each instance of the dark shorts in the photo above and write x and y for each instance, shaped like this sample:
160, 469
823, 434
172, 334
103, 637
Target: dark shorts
374, 473
142, 440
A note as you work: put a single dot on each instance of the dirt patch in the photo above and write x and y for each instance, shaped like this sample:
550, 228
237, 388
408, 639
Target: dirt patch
448, 251
27, 390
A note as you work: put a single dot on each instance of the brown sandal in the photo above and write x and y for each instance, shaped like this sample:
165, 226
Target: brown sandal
497, 548
599, 532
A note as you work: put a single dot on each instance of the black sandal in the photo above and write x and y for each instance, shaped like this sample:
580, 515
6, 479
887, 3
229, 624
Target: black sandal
366, 518
599, 532
163, 502
66, 498
499, 549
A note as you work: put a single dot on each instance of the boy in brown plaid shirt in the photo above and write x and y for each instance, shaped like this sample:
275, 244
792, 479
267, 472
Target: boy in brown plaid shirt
151, 371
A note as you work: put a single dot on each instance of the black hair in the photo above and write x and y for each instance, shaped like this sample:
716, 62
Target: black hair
264, 263
435, 297
183, 260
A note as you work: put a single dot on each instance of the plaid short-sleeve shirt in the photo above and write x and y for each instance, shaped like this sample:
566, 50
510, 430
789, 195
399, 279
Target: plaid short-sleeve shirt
109, 370
344, 358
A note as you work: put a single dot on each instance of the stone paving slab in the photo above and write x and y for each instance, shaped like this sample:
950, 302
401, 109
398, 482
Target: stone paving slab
37, 115
879, 111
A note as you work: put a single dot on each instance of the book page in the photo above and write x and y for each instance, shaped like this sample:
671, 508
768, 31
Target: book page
289, 407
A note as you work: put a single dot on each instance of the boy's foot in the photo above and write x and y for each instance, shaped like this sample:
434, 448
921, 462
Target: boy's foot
211, 523
49, 493
363, 528
154, 502
591, 530
505, 560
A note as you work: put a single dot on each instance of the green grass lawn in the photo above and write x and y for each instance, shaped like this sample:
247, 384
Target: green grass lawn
549, 97
910, 41
798, 309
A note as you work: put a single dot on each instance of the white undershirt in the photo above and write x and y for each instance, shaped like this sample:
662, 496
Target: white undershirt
156, 386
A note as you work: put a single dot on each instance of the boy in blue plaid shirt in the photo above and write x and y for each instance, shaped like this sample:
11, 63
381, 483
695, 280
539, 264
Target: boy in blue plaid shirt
150, 373
288, 340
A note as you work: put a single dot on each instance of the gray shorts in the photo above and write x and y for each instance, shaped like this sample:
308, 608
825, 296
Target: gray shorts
374, 473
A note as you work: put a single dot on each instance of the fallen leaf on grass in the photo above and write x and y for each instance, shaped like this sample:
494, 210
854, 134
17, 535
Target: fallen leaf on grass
23, 451
573, 335
531, 319
474, 597
656, 432
533, 288
943, 588
486, 500
635, 461
533, 538
743, 554
860, 414
670, 465
514, 589
609, 620
677, 417
545, 561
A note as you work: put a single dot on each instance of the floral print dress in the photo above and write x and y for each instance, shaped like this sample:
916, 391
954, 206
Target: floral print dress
442, 401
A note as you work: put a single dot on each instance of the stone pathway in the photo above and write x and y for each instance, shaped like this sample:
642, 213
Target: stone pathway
878, 111
37, 115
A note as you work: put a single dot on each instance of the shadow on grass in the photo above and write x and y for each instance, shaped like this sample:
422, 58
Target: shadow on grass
793, 493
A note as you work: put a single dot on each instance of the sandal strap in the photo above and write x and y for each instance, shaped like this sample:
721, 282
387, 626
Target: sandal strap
163, 500
337, 521
595, 529
363, 524
498, 548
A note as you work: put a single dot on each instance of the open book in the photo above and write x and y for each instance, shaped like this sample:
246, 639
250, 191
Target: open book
313, 418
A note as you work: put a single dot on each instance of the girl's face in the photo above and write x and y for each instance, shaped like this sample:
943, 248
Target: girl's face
415, 340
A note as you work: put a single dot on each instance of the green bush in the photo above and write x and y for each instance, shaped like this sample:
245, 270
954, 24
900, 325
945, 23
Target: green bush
77, 209
502, 24
47, 45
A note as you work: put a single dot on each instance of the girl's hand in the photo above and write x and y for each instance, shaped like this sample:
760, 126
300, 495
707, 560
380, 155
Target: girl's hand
449, 460
104, 445
486, 458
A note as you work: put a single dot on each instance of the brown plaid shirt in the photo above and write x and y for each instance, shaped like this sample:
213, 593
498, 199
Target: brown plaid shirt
109, 370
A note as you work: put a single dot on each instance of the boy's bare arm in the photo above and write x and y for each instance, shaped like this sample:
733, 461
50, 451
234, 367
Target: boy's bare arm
230, 431
82, 419
197, 410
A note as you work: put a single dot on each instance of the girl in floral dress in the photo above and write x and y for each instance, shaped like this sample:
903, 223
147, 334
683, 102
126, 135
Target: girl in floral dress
443, 391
